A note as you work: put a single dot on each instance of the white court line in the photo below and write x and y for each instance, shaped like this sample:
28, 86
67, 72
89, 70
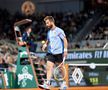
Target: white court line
88, 64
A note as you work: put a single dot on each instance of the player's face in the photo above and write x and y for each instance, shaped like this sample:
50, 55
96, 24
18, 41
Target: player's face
48, 24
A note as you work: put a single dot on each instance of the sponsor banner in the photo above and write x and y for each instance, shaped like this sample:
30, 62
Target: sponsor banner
83, 54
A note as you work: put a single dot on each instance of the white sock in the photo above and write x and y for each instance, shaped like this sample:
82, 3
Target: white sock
48, 82
64, 81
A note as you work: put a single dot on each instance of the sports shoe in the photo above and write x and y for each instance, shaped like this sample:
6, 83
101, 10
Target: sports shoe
45, 86
63, 86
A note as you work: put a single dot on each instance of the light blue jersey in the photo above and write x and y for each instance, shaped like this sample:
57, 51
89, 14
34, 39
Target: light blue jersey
55, 38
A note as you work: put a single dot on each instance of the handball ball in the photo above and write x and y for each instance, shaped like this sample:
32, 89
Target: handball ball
28, 8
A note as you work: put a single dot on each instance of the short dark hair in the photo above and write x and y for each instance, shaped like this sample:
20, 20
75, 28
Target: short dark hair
50, 18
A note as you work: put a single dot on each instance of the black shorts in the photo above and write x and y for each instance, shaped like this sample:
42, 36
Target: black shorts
55, 58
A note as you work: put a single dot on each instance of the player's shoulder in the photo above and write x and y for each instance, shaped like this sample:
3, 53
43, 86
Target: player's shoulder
59, 29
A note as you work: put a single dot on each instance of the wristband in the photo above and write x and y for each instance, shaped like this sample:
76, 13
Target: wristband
65, 49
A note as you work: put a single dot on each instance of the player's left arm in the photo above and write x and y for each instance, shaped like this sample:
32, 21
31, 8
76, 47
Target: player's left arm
65, 46
63, 37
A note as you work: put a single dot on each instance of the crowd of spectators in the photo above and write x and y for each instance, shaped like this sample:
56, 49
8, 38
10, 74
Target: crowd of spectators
100, 31
8, 54
69, 22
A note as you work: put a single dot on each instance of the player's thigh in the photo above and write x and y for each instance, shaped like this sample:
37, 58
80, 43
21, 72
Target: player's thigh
50, 60
50, 65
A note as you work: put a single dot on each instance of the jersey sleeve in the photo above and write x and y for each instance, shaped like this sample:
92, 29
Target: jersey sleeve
61, 34
48, 36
